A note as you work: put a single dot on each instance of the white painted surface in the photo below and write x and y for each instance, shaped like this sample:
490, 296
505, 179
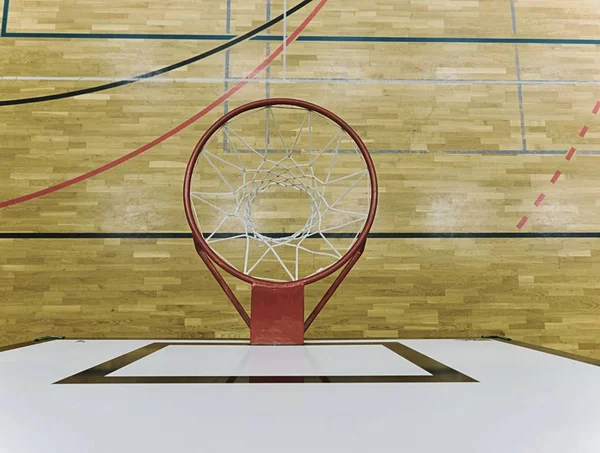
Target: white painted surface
272, 361
525, 402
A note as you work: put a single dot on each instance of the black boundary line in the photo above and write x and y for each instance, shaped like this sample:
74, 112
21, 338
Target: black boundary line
565, 355
383, 235
395, 39
4, 19
25, 344
99, 374
147, 75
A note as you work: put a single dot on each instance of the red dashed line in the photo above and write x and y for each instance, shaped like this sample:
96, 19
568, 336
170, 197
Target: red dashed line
539, 200
523, 221
557, 174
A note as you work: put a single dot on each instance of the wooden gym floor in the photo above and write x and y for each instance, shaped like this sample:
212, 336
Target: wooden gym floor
468, 107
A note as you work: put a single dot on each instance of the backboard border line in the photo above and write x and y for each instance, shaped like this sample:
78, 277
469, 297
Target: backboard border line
99, 374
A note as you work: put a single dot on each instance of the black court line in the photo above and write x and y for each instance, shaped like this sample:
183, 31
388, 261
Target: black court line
383, 235
566, 355
316, 38
4, 19
232, 42
100, 374
308, 38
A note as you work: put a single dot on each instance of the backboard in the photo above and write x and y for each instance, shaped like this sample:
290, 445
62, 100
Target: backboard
350, 396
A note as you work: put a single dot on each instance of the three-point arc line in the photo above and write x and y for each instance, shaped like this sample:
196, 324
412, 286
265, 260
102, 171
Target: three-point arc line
557, 174
234, 89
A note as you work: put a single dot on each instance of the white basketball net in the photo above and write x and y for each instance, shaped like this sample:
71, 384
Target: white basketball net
320, 177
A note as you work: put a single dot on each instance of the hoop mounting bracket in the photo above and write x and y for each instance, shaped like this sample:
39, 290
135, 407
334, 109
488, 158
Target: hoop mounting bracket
277, 313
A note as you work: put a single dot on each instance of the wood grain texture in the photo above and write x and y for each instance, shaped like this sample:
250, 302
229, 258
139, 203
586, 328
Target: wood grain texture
558, 18
414, 104
535, 290
128, 16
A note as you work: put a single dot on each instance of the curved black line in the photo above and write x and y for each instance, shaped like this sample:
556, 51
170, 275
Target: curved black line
108, 86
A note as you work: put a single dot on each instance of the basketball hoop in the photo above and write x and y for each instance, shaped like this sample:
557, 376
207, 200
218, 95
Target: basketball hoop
280, 193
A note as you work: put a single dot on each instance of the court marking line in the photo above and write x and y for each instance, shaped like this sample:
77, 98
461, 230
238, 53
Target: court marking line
227, 55
484, 152
522, 222
558, 173
4, 19
540, 199
332, 80
268, 51
584, 131
156, 72
307, 38
513, 14
372, 235
238, 86
226, 70
284, 38
520, 98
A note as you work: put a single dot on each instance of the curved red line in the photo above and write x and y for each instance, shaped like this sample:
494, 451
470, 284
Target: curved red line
234, 89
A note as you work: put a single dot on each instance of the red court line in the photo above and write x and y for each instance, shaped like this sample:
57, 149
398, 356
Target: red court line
234, 89
539, 199
557, 174
523, 221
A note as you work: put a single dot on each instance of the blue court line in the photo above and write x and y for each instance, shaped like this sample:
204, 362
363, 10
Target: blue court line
520, 95
506, 152
227, 58
268, 52
227, 55
501, 152
306, 38
444, 40
372, 235
267, 79
513, 15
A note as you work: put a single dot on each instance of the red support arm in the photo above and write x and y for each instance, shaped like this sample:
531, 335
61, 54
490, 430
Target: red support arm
223, 284
333, 287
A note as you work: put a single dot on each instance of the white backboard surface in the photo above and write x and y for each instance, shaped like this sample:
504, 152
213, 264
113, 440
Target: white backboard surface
519, 400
